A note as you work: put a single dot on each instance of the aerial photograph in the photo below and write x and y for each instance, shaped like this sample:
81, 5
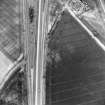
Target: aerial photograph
52, 52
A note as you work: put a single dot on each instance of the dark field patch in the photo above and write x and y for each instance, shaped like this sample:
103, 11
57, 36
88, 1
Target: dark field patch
78, 76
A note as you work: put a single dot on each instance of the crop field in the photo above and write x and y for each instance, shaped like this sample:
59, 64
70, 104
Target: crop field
10, 28
75, 70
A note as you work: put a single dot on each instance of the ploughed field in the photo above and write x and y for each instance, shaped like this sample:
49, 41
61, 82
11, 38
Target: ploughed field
10, 28
76, 66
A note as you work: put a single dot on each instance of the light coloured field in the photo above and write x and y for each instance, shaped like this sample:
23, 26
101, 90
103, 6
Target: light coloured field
5, 65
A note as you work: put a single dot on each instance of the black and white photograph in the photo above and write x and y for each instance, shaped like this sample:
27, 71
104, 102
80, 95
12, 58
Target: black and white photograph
52, 52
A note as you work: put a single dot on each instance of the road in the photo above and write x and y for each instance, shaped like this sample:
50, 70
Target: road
102, 2
40, 71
